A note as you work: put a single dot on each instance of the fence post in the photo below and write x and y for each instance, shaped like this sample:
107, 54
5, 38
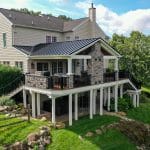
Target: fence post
28, 107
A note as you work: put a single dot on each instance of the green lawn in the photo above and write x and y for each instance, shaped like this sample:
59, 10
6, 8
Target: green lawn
141, 113
68, 138
18, 131
146, 89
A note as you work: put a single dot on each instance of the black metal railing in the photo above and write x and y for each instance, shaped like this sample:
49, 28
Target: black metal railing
109, 76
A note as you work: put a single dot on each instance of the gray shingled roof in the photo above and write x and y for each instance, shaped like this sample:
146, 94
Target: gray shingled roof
42, 22
58, 48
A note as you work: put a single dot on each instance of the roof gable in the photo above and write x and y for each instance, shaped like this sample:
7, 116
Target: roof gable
62, 48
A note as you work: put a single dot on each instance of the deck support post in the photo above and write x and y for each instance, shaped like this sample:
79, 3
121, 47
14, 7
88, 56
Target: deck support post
91, 103
33, 104
24, 98
101, 101
137, 96
94, 101
108, 104
121, 91
53, 110
38, 104
76, 106
116, 98
70, 109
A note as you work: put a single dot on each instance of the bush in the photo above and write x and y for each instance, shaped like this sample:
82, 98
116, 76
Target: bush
10, 78
124, 103
6, 101
145, 97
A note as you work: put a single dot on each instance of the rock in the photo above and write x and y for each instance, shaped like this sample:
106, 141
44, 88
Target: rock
98, 131
3, 108
43, 119
44, 128
89, 134
8, 115
121, 113
32, 137
17, 146
59, 125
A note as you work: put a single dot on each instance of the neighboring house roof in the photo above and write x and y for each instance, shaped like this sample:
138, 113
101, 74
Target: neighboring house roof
60, 48
42, 22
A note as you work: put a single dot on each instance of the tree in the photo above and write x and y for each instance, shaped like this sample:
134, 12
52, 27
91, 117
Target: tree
25, 10
63, 17
135, 50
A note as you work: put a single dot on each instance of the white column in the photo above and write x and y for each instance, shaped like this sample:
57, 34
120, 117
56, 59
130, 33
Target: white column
121, 91
24, 98
137, 100
108, 104
105, 96
85, 64
76, 106
53, 110
69, 66
94, 102
101, 101
70, 109
38, 104
91, 102
33, 104
116, 98
134, 100
116, 64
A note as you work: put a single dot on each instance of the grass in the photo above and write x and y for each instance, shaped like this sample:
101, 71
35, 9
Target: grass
146, 89
18, 131
141, 113
68, 138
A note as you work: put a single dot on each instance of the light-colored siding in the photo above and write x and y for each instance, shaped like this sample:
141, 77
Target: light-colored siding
9, 53
29, 36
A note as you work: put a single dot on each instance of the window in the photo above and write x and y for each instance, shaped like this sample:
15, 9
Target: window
6, 63
4, 40
67, 38
54, 39
42, 66
48, 39
57, 67
19, 64
76, 37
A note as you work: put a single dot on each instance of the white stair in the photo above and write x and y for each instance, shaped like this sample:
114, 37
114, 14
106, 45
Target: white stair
14, 92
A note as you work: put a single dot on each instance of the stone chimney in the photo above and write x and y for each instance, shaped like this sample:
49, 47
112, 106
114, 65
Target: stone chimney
92, 13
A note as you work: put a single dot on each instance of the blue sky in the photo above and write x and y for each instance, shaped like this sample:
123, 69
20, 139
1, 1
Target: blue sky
120, 16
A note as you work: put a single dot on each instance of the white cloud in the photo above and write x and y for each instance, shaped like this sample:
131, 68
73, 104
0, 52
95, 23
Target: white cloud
111, 22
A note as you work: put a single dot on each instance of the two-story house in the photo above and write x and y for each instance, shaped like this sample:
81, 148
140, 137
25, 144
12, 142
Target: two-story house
65, 64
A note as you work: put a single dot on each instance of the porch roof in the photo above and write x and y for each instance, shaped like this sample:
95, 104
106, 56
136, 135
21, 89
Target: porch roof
61, 48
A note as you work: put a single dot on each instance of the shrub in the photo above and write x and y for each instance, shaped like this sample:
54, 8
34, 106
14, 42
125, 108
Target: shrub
10, 78
145, 97
6, 101
124, 103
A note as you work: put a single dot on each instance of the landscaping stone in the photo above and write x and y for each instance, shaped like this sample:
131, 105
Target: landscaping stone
43, 119
89, 134
121, 113
60, 125
98, 131
3, 108
32, 137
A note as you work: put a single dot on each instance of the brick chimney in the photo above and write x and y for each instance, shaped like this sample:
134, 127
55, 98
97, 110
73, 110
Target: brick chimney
92, 13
